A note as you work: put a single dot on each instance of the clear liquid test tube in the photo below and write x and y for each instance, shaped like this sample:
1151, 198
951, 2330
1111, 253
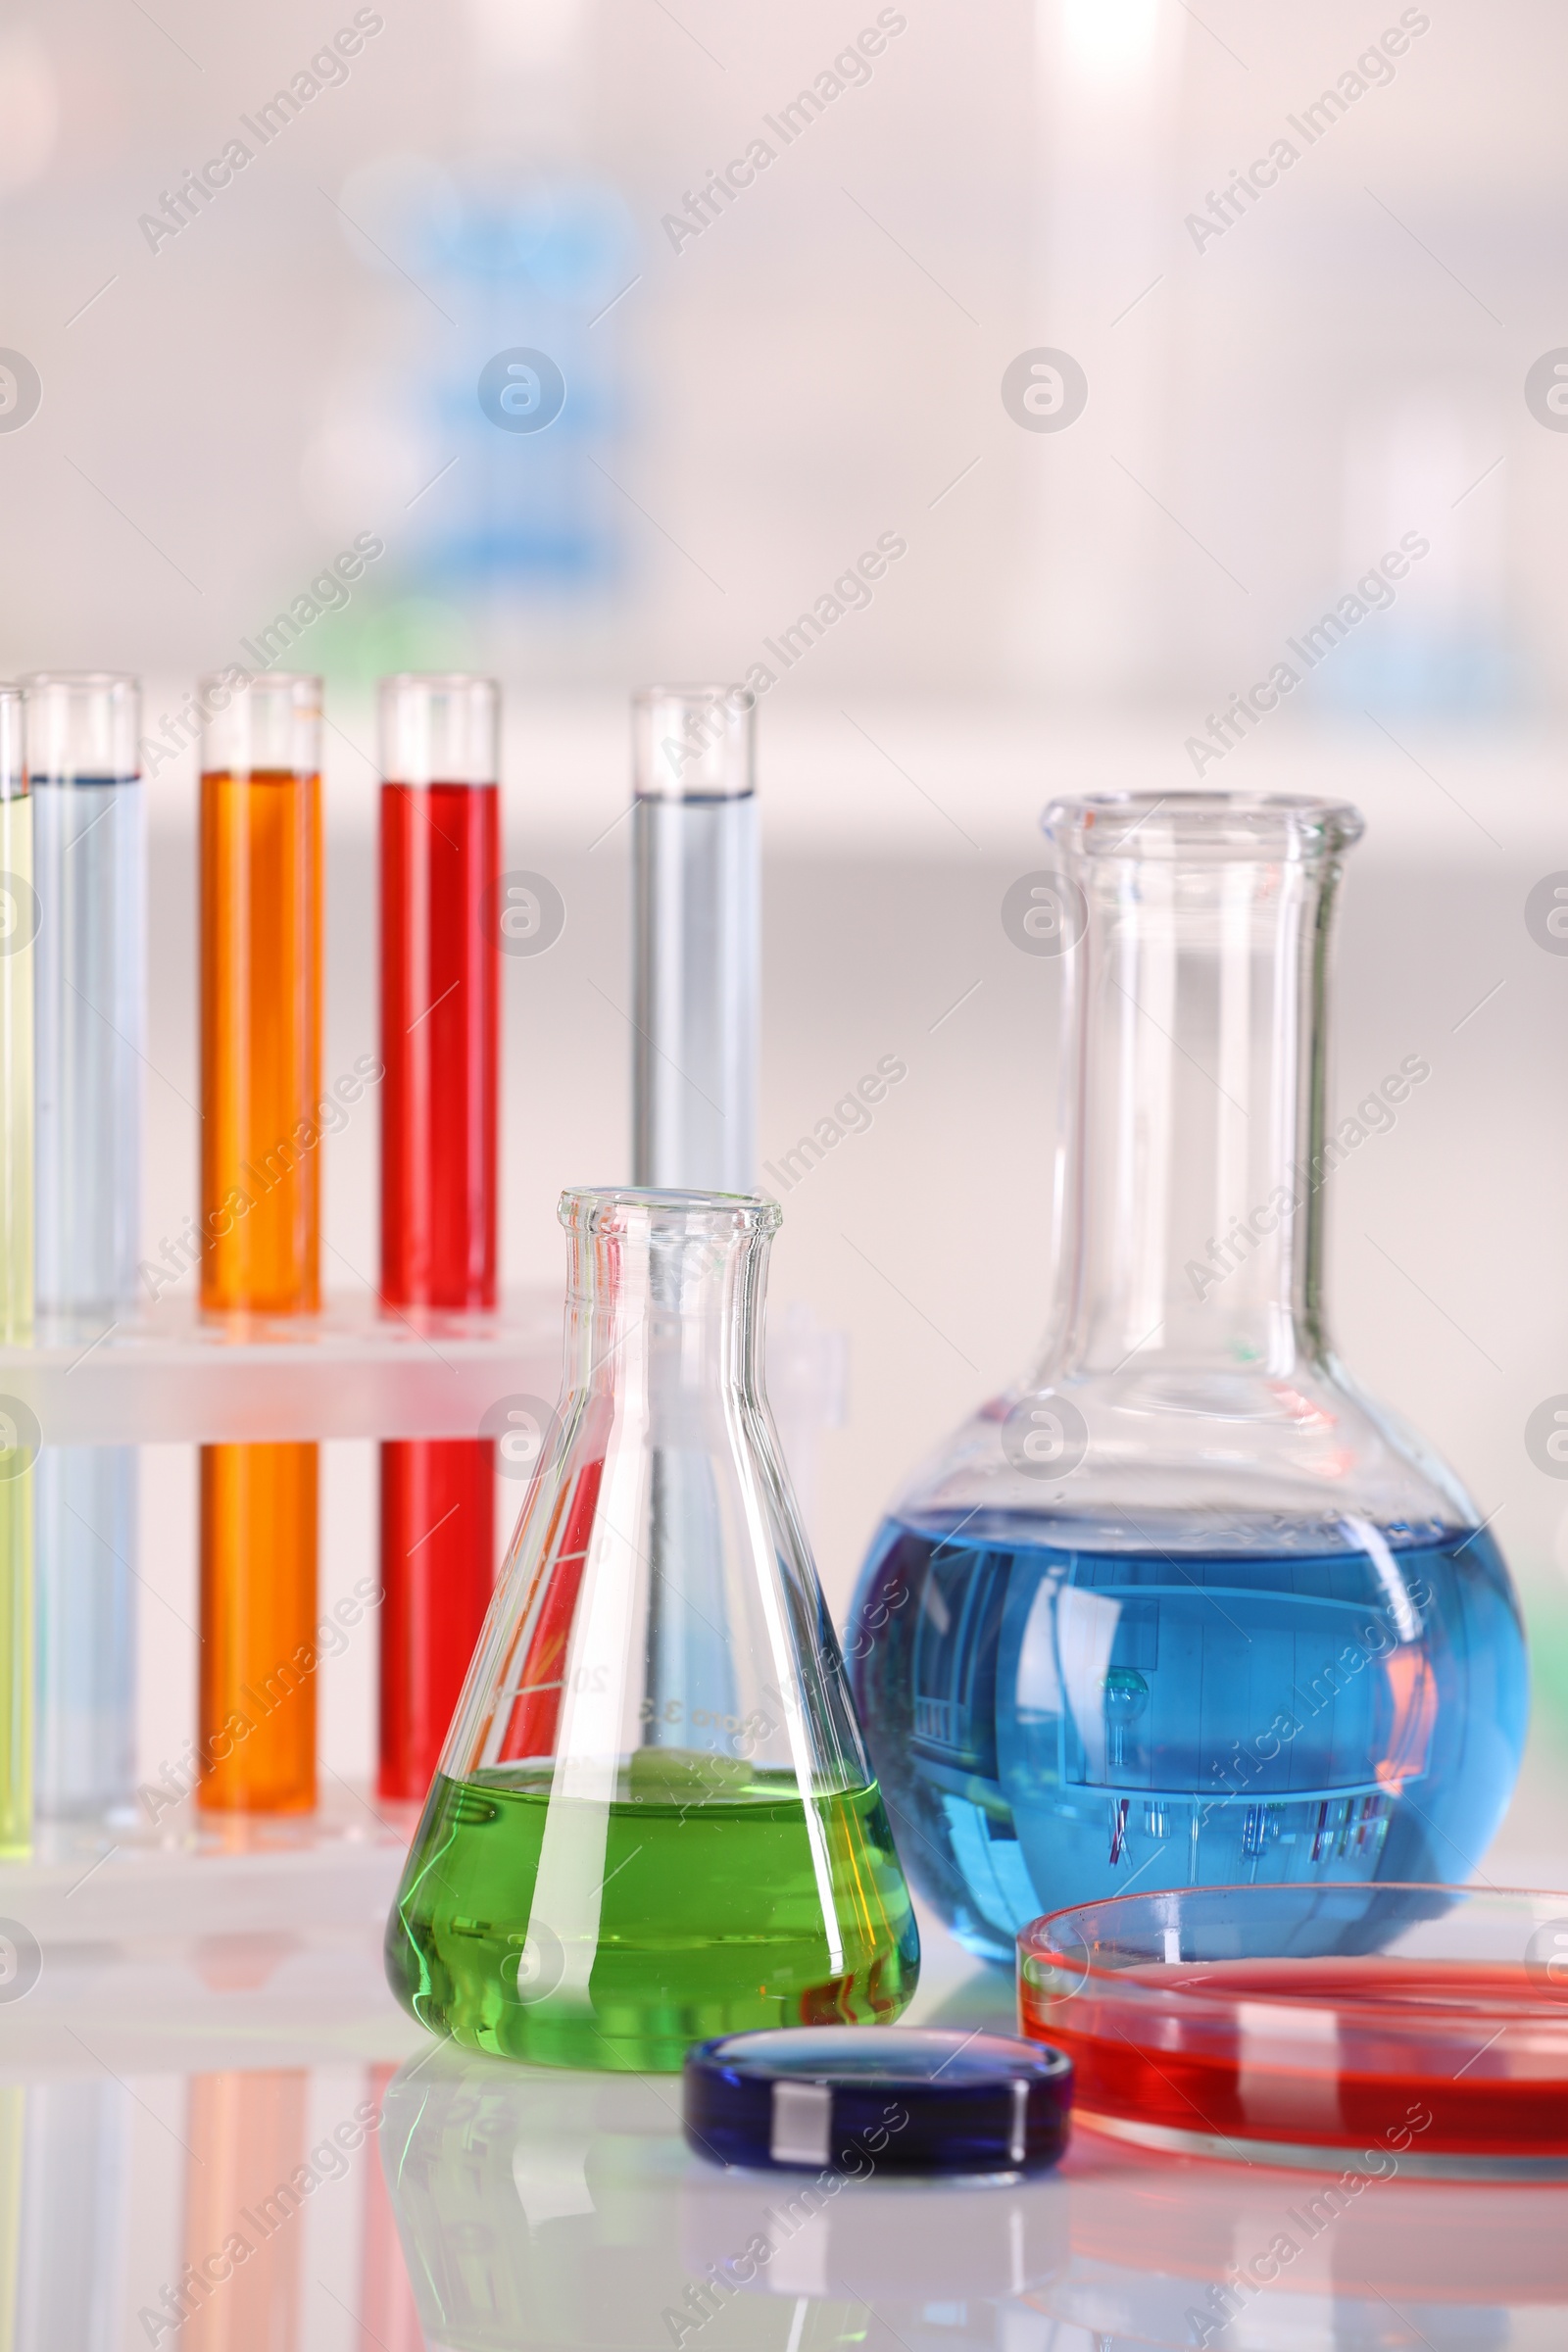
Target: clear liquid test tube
696, 907
261, 995
19, 925
90, 867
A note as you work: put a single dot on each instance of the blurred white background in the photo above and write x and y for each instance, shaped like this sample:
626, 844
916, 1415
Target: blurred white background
1270, 406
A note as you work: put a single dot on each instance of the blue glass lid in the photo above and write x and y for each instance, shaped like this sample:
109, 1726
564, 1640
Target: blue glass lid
879, 2098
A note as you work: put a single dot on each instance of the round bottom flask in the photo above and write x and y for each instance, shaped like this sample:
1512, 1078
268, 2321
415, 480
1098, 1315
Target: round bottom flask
1184, 1608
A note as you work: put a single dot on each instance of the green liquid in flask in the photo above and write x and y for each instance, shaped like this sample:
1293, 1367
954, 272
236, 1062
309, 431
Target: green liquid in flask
710, 1916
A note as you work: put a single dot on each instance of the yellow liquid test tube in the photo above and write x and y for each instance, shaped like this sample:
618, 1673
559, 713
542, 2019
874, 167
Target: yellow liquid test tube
13, 2149
261, 967
19, 1433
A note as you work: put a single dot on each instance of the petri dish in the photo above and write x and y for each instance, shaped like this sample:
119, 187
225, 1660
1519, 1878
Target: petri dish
877, 2099
1421, 2030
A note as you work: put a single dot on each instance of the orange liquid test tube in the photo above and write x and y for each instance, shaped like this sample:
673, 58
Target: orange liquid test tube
261, 1020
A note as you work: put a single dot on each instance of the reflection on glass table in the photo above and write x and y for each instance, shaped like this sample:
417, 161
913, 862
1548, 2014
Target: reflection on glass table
238, 2145
547, 2210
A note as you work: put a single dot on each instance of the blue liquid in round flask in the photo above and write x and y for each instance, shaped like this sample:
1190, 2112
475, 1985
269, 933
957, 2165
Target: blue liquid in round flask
1184, 1607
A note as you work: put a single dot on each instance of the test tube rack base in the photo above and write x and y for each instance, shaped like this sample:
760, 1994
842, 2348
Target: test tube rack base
171, 1376
125, 1883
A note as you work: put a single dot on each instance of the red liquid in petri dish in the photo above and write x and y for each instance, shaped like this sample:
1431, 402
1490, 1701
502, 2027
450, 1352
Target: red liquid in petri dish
1243, 2083
1455, 2051
440, 1043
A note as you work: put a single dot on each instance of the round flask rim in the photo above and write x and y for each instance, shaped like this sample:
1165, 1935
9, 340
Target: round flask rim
1296, 826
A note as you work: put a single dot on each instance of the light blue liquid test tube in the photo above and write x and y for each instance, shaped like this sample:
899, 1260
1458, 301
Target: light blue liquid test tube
697, 927
90, 861
695, 955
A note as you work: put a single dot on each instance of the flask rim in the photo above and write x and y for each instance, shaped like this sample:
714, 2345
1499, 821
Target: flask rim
1297, 827
633, 1209
740, 699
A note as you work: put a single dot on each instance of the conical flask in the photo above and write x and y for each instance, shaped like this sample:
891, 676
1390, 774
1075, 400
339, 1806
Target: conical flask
654, 1818
1185, 1607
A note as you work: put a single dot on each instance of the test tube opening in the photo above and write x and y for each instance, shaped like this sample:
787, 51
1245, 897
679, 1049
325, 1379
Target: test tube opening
82, 726
266, 723
13, 743
439, 727
694, 743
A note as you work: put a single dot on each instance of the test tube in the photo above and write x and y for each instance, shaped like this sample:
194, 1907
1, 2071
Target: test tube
261, 1049
75, 2216
89, 851
696, 919
19, 924
440, 1040
247, 2130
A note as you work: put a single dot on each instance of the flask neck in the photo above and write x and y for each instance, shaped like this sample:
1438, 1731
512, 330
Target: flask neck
665, 1307
1193, 1150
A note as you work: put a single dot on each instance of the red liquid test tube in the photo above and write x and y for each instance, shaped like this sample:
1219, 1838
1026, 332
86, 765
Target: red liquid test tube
440, 1044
